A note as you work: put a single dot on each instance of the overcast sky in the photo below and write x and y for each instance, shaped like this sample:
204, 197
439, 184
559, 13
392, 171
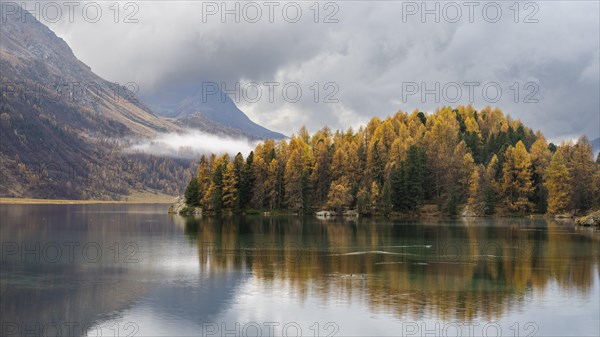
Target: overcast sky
369, 58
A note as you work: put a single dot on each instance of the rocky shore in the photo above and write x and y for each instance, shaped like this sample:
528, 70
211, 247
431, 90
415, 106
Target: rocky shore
179, 207
592, 219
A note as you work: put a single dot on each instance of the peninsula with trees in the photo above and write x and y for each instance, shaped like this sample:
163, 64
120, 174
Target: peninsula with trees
454, 161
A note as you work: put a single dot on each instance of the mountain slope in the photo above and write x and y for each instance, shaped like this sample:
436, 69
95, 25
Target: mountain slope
39, 68
202, 104
57, 119
63, 128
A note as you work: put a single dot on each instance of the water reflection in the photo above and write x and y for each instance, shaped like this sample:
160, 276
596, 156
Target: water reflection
169, 275
460, 270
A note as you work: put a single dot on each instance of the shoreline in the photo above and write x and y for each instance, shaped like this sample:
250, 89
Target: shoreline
31, 201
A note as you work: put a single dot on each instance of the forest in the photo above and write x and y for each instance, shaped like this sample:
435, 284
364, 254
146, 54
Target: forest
457, 160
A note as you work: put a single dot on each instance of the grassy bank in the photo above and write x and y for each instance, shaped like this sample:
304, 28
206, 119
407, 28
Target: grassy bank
144, 197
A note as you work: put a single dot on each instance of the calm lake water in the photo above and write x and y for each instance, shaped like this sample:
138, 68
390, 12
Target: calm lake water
133, 270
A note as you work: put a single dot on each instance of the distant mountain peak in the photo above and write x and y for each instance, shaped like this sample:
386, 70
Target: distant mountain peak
202, 102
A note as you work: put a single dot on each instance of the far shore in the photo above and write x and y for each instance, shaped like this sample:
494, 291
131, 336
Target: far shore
27, 201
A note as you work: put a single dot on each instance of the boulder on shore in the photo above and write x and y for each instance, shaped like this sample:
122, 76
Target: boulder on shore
325, 214
592, 219
177, 206
180, 207
351, 213
469, 212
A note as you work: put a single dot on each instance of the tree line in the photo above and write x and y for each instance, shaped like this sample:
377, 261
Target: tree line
452, 158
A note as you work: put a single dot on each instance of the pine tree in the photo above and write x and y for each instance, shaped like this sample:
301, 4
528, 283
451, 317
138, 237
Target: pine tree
247, 182
192, 193
398, 188
416, 167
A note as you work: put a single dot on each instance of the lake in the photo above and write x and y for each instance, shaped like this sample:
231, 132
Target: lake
133, 270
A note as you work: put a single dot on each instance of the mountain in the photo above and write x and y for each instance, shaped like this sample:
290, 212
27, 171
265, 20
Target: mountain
60, 122
204, 106
596, 145
51, 100
63, 128
39, 70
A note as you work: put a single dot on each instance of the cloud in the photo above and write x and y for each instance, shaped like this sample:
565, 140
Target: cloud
191, 145
369, 54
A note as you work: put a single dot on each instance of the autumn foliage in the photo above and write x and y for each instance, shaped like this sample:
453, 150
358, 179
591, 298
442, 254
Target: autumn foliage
451, 158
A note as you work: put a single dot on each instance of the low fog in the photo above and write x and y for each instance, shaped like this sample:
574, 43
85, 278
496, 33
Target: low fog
191, 144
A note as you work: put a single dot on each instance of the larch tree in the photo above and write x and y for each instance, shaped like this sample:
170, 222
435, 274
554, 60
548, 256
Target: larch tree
339, 197
540, 159
296, 175
259, 191
558, 184
450, 157
490, 186
230, 187
581, 167
517, 185
274, 184
475, 198
441, 140
321, 175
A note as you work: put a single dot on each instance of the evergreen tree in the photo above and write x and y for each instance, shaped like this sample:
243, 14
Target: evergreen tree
246, 182
192, 193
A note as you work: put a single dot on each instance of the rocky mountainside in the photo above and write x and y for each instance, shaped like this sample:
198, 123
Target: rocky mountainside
62, 127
